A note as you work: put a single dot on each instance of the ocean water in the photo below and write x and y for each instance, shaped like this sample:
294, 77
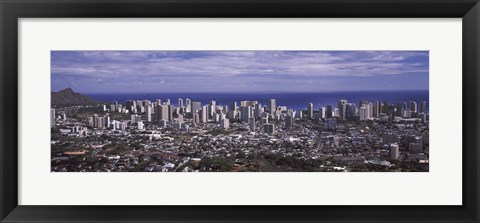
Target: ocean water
297, 101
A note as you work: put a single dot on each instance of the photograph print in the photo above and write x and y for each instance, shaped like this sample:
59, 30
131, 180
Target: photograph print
239, 111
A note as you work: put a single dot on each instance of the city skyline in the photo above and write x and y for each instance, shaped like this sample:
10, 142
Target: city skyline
238, 71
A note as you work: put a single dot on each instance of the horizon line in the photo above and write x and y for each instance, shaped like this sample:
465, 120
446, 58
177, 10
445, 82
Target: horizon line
249, 92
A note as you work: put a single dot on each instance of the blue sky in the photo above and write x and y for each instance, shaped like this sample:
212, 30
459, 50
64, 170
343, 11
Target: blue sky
238, 71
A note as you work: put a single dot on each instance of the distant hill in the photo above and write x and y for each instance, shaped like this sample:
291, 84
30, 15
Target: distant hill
68, 96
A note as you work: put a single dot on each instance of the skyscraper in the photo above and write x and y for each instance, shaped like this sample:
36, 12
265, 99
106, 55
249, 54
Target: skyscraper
423, 107
204, 114
362, 102
342, 107
310, 110
363, 113
350, 111
232, 106
148, 114
245, 113
377, 109
188, 105
224, 123
107, 121
162, 113
386, 107
251, 123
322, 111
170, 112
258, 110
413, 106
289, 120
196, 106
269, 128
394, 151
52, 117
180, 103
140, 125
329, 111
211, 108
399, 109
196, 118
272, 106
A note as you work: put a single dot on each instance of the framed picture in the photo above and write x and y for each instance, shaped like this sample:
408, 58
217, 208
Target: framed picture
227, 111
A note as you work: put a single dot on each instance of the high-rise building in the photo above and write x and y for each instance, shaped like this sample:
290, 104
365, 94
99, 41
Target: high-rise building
158, 111
196, 106
162, 113
180, 103
138, 118
370, 109
163, 123
299, 114
422, 107
310, 110
363, 113
363, 103
350, 112
224, 123
231, 114
107, 121
167, 102
122, 125
399, 109
413, 106
180, 118
148, 114
269, 128
232, 106
386, 107
204, 114
251, 123
272, 106
196, 119
329, 111
112, 108
211, 108
170, 113
377, 109
330, 123
394, 151
140, 125
322, 111
289, 120
98, 122
52, 117
188, 105
245, 113
258, 110
342, 107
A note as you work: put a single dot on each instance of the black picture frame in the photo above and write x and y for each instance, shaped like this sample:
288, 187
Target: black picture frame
12, 10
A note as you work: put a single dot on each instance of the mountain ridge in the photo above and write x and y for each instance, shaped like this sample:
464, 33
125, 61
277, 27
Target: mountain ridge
68, 96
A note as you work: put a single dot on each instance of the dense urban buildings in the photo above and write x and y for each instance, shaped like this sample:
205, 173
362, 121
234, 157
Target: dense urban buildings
158, 136
240, 111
